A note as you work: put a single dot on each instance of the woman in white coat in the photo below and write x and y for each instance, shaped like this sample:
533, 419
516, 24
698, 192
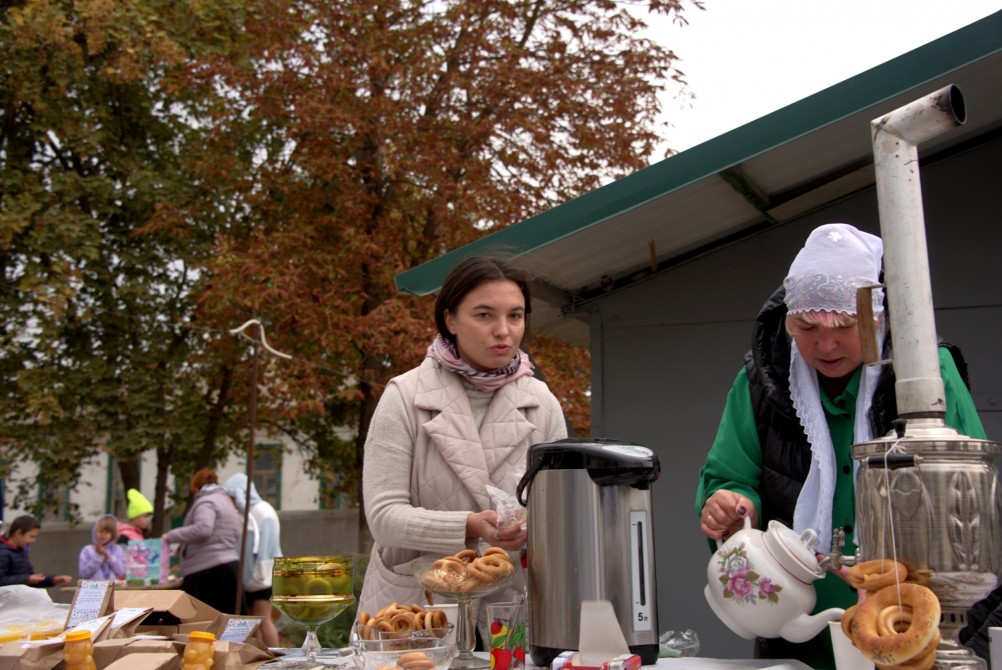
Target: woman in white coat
444, 431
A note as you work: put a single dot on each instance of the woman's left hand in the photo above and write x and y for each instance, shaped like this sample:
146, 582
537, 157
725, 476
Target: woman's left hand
484, 525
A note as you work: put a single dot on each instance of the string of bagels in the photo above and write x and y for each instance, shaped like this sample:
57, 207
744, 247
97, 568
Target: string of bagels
897, 627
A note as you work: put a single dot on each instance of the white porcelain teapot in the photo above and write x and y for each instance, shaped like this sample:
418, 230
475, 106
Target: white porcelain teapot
760, 583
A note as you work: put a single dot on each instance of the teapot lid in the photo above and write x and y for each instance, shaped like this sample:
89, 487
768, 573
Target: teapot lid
794, 552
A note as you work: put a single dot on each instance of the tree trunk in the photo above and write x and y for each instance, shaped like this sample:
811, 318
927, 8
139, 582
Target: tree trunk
160, 523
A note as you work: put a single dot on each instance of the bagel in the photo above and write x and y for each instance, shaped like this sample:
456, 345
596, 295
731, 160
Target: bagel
492, 568
415, 660
394, 621
904, 633
466, 555
875, 575
924, 660
495, 551
450, 564
402, 621
436, 619
411, 656
466, 572
847, 620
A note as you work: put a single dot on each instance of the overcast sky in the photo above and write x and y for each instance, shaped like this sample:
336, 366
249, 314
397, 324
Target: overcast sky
746, 58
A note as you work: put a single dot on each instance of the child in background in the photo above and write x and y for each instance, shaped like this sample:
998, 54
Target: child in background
140, 513
104, 558
15, 568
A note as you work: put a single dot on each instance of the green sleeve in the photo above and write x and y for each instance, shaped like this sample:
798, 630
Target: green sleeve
735, 459
961, 413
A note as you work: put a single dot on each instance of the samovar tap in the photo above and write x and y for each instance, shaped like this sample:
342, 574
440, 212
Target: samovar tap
836, 559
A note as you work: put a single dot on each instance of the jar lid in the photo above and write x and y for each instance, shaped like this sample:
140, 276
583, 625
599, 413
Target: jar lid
794, 552
75, 635
200, 635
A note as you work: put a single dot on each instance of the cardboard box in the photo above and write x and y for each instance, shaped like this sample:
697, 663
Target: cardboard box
26, 655
109, 652
173, 611
155, 661
237, 656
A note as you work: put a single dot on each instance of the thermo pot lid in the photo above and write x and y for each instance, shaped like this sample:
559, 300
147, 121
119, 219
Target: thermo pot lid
609, 462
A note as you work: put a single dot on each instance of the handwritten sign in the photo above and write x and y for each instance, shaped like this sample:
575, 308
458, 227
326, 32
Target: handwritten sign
91, 601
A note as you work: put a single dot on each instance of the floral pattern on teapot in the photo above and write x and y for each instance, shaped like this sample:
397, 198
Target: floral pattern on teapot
740, 581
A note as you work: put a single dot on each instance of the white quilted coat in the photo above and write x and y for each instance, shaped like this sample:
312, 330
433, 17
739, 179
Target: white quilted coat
452, 464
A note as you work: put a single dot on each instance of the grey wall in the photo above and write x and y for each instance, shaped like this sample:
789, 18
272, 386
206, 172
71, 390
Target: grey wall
319, 532
665, 352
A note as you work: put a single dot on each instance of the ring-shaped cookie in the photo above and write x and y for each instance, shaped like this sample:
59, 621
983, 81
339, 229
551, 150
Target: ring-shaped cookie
876, 574
898, 647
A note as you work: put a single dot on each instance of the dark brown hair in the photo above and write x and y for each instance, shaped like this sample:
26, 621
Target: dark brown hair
203, 477
471, 273
22, 524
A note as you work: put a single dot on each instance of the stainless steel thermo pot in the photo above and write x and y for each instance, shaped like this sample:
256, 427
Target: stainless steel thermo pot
590, 538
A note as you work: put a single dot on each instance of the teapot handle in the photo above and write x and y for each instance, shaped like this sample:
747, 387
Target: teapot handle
747, 526
809, 537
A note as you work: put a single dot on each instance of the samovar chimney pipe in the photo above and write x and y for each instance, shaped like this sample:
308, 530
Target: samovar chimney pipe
896, 136
925, 495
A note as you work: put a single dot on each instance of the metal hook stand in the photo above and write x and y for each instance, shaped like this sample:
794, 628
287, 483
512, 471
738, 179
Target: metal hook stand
260, 341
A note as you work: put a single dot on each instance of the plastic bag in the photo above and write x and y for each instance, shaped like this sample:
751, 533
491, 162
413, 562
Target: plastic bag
503, 500
674, 643
31, 610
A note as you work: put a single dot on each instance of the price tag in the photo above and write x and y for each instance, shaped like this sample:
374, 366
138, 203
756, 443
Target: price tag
238, 629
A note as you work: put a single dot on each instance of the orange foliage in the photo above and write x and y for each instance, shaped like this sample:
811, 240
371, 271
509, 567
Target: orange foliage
359, 139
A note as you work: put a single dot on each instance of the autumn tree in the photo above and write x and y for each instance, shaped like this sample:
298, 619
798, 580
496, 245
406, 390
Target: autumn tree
98, 267
390, 132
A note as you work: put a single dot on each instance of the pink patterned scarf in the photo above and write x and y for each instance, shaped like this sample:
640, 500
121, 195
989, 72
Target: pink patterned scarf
445, 354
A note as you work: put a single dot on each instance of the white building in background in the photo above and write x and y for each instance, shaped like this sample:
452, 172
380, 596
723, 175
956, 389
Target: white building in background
279, 475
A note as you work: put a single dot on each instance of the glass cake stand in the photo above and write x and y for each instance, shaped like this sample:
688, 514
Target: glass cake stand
464, 590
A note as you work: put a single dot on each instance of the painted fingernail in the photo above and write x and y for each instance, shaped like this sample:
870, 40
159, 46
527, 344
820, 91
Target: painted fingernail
742, 510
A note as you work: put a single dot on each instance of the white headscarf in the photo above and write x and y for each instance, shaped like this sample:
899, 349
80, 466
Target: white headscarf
835, 261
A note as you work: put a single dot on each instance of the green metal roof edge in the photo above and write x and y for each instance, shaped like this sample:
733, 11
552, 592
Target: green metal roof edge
871, 87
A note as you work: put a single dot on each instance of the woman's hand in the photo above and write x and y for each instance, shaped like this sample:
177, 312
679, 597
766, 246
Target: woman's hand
485, 525
724, 513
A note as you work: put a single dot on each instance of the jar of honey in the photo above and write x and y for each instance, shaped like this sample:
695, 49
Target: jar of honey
78, 651
198, 652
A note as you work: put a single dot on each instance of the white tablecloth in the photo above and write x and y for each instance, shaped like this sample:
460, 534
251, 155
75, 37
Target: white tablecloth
697, 663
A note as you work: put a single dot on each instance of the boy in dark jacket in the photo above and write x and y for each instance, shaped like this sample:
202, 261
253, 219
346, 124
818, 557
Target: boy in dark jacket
15, 568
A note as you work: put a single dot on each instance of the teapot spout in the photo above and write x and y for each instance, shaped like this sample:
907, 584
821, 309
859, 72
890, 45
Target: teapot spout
806, 626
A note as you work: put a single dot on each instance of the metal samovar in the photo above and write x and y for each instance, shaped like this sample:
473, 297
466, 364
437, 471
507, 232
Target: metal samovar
926, 496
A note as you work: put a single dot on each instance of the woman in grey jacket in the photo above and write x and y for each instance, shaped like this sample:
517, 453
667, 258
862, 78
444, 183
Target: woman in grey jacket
210, 538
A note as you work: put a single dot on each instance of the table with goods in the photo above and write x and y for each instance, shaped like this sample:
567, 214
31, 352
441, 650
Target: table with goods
928, 510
